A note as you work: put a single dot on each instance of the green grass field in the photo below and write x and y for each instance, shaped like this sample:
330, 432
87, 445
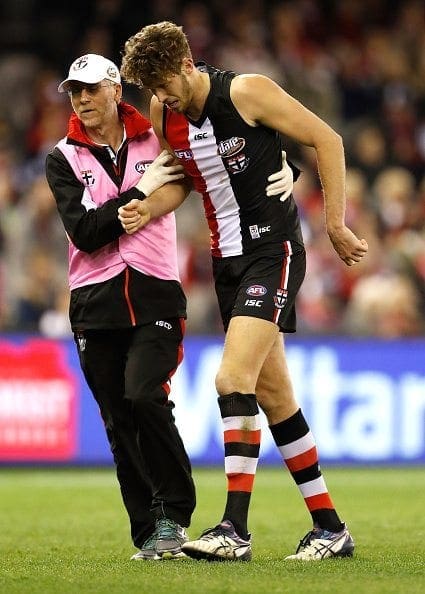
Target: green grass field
65, 531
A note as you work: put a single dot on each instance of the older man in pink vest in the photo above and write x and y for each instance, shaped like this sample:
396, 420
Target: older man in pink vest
127, 306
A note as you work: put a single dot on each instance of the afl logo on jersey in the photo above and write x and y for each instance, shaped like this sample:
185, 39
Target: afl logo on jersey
231, 146
141, 166
256, 290
184, 154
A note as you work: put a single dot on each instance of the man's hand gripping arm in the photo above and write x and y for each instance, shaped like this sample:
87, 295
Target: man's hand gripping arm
163, 194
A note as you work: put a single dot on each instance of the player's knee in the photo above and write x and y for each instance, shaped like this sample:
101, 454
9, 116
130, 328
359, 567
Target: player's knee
227, 382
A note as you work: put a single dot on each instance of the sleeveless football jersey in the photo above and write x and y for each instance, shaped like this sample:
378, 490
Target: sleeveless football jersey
229, 162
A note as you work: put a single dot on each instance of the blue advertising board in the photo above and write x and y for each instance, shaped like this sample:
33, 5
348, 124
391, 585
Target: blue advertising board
364, 400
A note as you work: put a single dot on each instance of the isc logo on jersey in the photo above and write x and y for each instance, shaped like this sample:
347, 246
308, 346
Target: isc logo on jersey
257, 231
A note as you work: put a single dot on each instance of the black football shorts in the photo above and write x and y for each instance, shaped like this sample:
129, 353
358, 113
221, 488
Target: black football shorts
261, 286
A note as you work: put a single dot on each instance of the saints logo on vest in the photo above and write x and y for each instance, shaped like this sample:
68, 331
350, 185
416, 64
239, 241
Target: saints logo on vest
87, 177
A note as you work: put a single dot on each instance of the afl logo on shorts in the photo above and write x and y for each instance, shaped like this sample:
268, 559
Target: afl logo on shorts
141, 166
256, 290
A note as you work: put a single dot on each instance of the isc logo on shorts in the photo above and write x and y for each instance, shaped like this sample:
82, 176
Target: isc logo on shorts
253, 303
164, 324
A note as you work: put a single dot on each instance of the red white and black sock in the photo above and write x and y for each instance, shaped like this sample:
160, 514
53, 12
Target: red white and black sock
298, 449
242, 436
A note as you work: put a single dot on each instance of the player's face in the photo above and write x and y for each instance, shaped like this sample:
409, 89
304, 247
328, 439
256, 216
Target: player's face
175, 92
94, 104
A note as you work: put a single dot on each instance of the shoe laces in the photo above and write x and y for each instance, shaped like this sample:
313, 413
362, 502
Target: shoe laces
221, 531
306, 541
313, 535
211, 533
166, 529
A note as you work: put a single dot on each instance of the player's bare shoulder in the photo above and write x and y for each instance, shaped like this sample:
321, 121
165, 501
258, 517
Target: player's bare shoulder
156, 110
261, 101
157, 121
247, 92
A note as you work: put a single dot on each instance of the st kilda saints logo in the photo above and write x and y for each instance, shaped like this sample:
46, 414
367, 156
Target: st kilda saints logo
280, 298
230, 151
80, 63
87, 177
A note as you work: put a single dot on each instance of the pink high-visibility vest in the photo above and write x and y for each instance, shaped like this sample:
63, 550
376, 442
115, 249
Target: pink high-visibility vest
151, 250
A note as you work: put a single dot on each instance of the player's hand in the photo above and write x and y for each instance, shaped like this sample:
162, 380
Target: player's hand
134, 215
348, 247
282, 181
160, 172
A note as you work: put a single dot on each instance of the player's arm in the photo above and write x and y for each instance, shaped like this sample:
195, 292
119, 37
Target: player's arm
137, 213
169, 197
156, 117
259, 100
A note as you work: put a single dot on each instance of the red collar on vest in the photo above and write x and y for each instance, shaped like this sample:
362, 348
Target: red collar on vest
135, 124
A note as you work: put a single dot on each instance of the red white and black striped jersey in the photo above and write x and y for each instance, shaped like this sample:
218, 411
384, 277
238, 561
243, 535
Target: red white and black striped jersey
229, 162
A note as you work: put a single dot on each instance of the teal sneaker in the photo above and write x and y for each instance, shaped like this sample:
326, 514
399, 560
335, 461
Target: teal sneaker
164, 543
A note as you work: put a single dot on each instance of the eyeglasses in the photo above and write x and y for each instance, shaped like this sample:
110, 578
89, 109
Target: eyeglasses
76, 89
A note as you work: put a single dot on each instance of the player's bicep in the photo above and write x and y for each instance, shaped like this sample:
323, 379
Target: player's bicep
261, 101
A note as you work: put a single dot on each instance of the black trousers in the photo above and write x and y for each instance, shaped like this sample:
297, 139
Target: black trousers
128, 371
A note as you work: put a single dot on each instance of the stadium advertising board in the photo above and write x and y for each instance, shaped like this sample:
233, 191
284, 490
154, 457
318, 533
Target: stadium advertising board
38, 402
365, 401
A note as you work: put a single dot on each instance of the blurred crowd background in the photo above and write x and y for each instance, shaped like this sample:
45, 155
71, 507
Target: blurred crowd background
358, 65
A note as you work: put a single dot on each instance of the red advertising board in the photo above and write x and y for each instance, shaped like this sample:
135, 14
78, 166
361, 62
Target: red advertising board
38, 402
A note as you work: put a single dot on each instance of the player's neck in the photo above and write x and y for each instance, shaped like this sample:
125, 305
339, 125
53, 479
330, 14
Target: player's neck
201, 89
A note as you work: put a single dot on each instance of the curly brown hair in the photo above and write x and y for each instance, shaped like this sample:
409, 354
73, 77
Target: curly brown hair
153, 54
